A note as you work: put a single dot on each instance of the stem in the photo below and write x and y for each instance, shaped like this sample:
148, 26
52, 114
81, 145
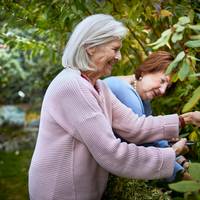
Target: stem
140, 43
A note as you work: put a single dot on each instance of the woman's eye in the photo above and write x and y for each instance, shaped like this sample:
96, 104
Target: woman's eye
162, 81
116, 50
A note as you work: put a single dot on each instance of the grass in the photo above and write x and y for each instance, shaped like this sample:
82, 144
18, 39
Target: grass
13, 175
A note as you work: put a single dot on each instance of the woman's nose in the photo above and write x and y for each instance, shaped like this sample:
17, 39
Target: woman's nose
118, 55
163, 88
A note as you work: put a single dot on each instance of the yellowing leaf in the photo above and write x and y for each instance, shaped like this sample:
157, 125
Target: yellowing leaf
165, 13
193, 136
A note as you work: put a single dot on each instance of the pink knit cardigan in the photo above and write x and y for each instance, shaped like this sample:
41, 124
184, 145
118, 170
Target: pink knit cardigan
76, 147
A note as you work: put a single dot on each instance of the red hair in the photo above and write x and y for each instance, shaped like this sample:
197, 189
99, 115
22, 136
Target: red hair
155, 62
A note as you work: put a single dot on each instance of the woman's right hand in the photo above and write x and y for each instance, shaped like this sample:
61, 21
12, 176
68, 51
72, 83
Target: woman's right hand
192, 118
180, 147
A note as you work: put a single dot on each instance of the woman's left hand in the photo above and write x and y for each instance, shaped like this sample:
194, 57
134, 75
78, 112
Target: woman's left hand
180, 147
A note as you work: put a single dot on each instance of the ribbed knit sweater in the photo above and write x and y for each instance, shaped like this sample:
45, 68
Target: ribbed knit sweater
76, 147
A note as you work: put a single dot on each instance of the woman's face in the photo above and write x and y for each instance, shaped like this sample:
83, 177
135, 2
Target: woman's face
153, 85
104, 56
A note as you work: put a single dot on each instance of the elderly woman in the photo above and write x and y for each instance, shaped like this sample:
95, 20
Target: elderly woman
137, 90
76, 147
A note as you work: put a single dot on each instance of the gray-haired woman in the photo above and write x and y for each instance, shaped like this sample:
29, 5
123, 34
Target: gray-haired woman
76, 147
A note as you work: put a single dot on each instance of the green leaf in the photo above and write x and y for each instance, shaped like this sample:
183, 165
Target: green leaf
176, 37
183, 20
165, 41
179, 28
193, 43
183, 72
171, 67
185, 186
164, 35
194, 170
192, 101
194, 27
179, 57
175, 62
194, 37
193, 58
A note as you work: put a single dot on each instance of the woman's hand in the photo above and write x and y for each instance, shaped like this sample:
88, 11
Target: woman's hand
192, 118
180, 147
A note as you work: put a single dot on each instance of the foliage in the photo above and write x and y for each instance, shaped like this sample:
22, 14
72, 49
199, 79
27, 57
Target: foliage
179, 37
190, 188
128, 189
37, 31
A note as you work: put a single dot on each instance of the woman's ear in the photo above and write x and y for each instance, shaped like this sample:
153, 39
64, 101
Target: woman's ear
90, 50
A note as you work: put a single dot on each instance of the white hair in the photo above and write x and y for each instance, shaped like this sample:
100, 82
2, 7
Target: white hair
92, 31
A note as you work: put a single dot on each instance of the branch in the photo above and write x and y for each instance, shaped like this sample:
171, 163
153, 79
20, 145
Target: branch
140, 43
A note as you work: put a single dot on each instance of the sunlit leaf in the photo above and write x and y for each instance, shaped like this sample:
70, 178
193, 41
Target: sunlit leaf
165, 41
193, 58
179, 28
183, 72
179, 57
176, 37
194, 37
192, 101
183, 20
194, 27
193, 43
162, 39
175, 62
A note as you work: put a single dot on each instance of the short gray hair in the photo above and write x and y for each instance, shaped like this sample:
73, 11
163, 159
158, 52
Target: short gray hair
92, 31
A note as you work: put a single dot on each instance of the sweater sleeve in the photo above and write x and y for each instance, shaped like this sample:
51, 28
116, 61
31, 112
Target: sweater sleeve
121, 158
142, 129
78, 112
